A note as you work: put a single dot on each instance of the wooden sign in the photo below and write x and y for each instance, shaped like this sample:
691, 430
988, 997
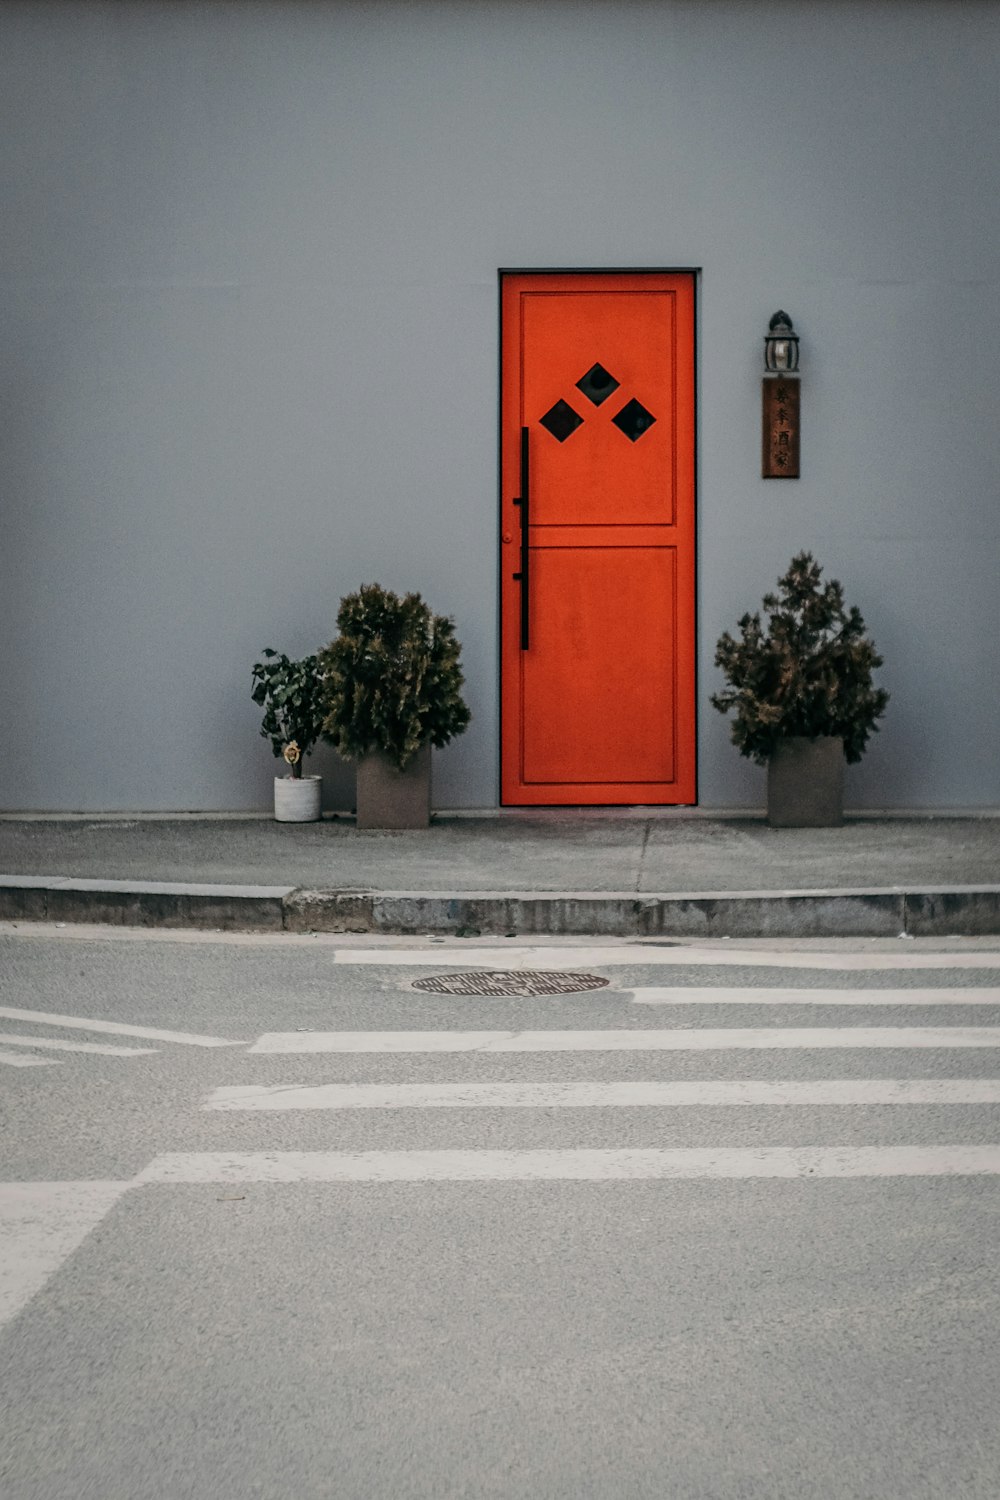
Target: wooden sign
780, 408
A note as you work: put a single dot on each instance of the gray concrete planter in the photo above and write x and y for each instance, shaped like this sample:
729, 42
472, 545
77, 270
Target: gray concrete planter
805, 783
389, 798
297, 798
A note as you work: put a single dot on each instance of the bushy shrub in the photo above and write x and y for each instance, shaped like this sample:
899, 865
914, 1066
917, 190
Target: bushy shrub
391, 681
808, 672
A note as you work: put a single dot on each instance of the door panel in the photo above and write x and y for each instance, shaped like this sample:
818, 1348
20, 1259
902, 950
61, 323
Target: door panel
573, 715
598, 372
598, 474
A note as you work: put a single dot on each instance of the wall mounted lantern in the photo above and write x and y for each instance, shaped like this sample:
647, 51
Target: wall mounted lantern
780, 400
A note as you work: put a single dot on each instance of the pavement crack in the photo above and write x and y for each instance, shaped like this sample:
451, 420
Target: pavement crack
506, 1036
642, 855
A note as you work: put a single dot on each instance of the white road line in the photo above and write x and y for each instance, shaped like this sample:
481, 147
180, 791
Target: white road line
549, 1095
679, 995
570, 1165
41, 1223
112, 1028
61, 1046
573, 957
705, 1039
890, 954
11, 1060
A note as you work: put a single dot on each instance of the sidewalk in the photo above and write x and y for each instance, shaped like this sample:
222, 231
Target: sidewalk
628, 872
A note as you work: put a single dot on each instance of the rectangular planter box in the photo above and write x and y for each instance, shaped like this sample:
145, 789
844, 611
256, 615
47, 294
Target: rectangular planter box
805, 783
389, 798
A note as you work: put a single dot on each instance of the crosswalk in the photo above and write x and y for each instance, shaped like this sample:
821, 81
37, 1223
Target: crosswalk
700, 1099
845, 1092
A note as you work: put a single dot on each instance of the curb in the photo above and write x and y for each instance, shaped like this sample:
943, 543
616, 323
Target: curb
948, 911
142, 903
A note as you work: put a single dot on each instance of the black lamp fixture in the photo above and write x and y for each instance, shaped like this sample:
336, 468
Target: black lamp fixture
780, 400
781, 345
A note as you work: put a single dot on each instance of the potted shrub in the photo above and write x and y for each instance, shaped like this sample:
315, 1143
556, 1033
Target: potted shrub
391, 684
802, 691
288, 691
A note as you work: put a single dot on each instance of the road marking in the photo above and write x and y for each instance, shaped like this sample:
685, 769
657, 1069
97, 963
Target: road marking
678, 995
472, 957
61, 1046
41, 1223
585, 1095
11, 1060
112, 1028
875, 953
570, 1165
692, 1039
870, 953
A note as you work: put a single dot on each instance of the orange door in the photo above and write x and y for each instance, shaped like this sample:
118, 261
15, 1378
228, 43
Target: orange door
598, 539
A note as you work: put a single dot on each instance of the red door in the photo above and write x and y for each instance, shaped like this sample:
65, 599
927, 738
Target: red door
598, 539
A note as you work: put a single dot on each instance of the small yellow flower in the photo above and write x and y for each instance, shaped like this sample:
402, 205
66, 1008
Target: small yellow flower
292, 753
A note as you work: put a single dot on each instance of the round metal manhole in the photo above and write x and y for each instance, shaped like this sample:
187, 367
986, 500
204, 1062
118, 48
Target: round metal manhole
523, 982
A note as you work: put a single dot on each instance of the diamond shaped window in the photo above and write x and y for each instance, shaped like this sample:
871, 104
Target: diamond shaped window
598, 384
634, 420
561, 420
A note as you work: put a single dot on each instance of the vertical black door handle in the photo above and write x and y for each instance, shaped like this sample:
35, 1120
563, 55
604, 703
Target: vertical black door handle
524, 501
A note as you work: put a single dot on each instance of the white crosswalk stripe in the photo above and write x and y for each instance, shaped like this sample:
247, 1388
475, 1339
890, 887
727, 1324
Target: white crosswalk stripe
718, 995
674, 955
550, 1094
573, 1165
686, 1039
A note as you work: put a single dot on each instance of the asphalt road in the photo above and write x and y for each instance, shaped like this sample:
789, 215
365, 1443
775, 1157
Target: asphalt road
726, 1228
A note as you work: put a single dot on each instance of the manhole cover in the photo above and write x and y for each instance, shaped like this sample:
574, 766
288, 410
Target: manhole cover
510, 982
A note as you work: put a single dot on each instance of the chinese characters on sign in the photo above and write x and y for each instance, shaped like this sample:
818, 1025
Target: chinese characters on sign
780, 408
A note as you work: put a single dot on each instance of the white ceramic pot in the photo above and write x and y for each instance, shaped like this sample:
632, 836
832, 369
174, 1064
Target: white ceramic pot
297, 798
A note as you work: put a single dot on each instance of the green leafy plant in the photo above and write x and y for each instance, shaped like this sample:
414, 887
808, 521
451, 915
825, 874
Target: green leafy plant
288, 691
391, 680
807, 672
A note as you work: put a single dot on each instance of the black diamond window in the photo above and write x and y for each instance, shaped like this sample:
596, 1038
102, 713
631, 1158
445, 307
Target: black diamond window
634, 420
598, 384
561, 420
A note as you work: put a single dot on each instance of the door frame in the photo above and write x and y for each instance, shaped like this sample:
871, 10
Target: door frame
695, 272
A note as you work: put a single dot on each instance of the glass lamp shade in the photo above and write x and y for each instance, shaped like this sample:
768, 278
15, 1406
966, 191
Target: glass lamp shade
781, 345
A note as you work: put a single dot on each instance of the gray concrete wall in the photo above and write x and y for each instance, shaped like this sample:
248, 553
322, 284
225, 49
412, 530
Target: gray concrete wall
248, 282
